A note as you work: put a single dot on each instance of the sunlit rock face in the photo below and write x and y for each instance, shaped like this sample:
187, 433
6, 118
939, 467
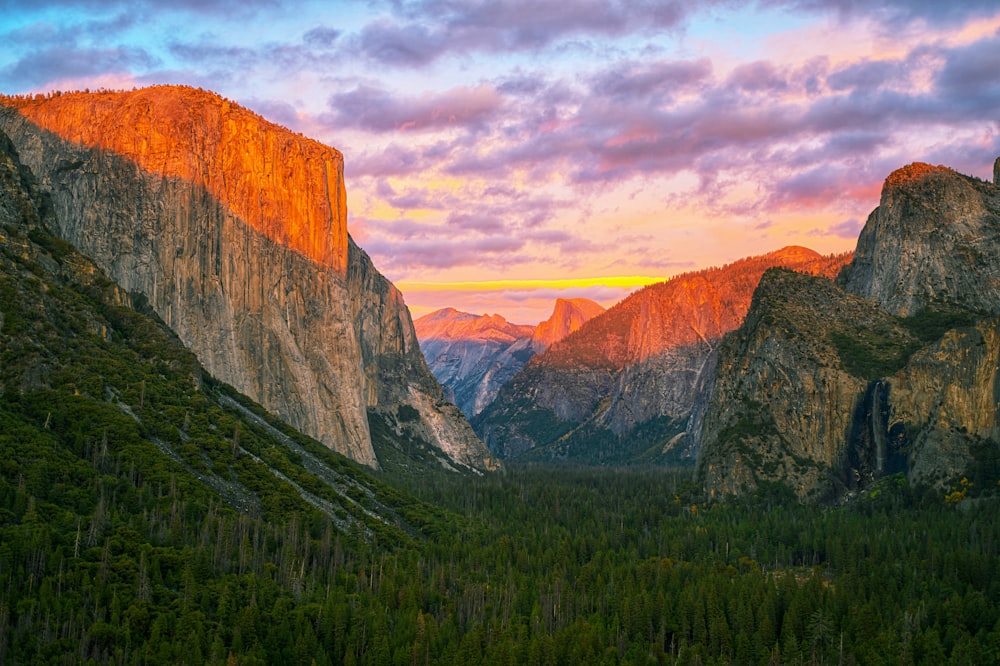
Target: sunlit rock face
568, 315
829, 387
235, 231
644, 361
474, 355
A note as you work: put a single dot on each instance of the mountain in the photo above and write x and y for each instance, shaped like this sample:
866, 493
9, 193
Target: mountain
568, 315
829, 387
141, 483
624, 385
93, 384
474, 355
235, 231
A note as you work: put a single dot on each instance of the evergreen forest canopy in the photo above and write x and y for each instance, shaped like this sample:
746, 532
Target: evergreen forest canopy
149, 514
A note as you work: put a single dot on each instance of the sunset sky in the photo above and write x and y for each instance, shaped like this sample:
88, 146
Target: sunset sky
501, 153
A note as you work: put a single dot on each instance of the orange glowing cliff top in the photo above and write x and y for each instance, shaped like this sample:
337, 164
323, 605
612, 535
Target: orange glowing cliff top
285, 186
911, 173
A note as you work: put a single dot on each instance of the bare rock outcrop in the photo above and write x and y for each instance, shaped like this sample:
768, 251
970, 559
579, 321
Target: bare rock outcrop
934, 238
568, 315
893, 370
473, 356
783, 404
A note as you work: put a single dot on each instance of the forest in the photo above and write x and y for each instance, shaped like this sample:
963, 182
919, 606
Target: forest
533, 565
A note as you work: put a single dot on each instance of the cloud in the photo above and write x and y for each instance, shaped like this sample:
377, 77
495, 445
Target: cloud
757, 77
866, 75
971, 74
894, 13
393, 160
224, 7
377, 110
424, 31
849, 228
419, 254
409, 45
652, 81
321, 37
38, 67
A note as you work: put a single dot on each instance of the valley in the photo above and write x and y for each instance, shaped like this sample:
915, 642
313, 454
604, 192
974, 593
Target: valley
220, 441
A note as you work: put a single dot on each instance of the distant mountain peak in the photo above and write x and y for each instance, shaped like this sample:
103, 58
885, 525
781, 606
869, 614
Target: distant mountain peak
452, 324
568, 315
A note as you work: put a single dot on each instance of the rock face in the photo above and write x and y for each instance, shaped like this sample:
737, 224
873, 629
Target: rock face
627, 381
935, 237
782, 403
568, 315
235, 231
474, 355
894, 369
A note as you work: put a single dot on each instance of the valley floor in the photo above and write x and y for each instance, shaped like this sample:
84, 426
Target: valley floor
533, 565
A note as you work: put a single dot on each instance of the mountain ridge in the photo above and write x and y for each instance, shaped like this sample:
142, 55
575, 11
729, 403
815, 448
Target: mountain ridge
637, 365
827, 388
473, 356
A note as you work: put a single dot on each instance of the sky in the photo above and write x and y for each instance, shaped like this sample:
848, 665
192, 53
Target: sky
502, 153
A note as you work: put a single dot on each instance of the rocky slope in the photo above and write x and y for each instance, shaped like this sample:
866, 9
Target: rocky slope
829, 387
234, 229
474, 355
624, 385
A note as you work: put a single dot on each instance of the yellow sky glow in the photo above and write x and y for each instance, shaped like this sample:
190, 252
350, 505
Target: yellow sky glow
622, 281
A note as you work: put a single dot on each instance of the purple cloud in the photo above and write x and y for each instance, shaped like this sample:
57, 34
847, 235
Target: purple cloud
631, 80
49, 64
410, 45
377, 110
321, 37
757, 77
849, 228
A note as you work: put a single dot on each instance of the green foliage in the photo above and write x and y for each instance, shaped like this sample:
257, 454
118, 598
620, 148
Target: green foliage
931, 323
407, 414
55, 246
589, 444
873, 353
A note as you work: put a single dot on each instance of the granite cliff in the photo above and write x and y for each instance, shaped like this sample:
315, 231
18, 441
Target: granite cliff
624, 385
95, 389
474, 355
567, 316
829, 387
234, 230
933, 238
